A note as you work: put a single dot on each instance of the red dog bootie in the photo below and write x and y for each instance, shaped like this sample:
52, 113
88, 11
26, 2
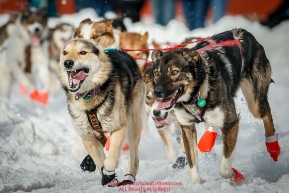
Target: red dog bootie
41, 97
237, 178
273, 146
207, 141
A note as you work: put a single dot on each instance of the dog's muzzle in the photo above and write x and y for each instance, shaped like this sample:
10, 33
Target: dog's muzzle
75, 76
167, 103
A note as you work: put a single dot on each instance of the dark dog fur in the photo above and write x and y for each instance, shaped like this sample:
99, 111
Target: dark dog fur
215, 75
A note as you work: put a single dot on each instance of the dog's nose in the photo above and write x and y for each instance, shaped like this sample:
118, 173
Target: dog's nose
158, 91
37, 30
156, 113
68, 63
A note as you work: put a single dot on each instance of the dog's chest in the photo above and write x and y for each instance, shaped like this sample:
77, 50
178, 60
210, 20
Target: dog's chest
83, 123
188, 115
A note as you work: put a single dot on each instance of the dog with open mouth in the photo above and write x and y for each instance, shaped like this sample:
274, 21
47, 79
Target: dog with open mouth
105, 93
200, 84
163, 121
27, 56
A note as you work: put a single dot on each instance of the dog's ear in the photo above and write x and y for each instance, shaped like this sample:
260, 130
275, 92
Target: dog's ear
107, 22
157, 54
147, 74
26, 13
13, 17
145, 37
86, 21
191, 55
42, 12
146, 78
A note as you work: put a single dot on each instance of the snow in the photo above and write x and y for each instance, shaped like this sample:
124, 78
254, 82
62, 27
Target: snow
41, 152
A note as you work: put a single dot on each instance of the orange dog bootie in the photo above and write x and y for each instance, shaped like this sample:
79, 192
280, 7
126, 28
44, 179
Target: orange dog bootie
273, 146
42, 97
208, 139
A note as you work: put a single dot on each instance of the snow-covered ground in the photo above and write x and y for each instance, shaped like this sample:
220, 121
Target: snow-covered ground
40, 151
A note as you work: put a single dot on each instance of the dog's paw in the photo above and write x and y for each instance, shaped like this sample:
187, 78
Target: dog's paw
108, 178
128, 179
88, 164
181, 162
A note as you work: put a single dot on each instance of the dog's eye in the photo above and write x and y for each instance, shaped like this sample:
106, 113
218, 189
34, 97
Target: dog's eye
64, 53
149, 97
94, 37
175, 72
156, 73
83, 52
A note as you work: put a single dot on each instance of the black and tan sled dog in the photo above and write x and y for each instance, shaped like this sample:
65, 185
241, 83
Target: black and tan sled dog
200, 84
105, 93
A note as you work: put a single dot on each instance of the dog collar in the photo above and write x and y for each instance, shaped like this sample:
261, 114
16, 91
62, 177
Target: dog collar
201, 102
88, 95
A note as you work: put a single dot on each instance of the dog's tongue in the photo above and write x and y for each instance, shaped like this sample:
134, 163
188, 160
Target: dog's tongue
79, 76
35, 40
165, 103
163, 122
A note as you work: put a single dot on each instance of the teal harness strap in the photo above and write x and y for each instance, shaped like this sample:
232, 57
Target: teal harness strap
110, 49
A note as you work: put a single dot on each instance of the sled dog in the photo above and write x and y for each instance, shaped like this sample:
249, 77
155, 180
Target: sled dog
200, 84
105, 93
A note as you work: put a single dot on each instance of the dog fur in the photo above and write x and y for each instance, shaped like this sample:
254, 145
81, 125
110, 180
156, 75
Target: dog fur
215, 75
120, 100
137, 41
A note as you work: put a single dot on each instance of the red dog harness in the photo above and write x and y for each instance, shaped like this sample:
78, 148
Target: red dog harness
213, 45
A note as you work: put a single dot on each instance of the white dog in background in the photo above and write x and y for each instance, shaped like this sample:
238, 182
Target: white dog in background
27, 60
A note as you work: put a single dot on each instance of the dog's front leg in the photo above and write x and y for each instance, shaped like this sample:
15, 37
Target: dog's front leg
229, 135
95, 150
111, 162
165, 135
190, 143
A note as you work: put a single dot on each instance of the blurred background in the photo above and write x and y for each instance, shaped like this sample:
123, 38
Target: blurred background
268, 12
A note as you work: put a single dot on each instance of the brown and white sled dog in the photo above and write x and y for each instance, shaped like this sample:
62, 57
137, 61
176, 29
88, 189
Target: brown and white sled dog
101, 32
105, 93
29, 30
213, 71
163, 121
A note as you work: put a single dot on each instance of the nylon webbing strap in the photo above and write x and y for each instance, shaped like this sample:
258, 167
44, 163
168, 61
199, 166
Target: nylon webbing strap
28, 59
95, 124
213, 45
